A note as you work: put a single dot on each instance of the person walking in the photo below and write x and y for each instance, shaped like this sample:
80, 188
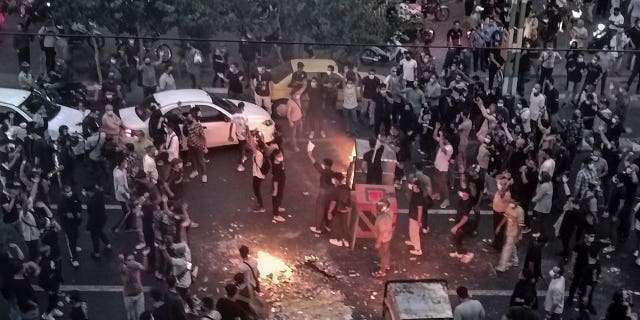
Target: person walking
325, 187
445, 151
417, 209
383, 230
197, 143
543, 200
467, 309
193, 60
70, 213
554, 300
96, 220
279, 178
514, 221
463, 227
260, 168
339, 210
121, 191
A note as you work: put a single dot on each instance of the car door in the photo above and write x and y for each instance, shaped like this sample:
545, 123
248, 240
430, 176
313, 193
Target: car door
216, 124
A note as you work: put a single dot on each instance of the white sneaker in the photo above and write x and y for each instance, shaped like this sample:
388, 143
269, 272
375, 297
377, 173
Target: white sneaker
467, 258
109, 247
240, 168
311, 134
323, 134
56, 313
279, 218
315, 230
444, 204
426, 230
635, 253
140, 246
345, 243
244, 158
609, 249
416, 252
409, 243
204, 178
75, 264
281, 209
456, 255
335, 242
193, 174
78, 249
48, 316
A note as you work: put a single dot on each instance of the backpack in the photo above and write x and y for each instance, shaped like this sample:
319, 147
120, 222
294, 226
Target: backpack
266, 165
197, 57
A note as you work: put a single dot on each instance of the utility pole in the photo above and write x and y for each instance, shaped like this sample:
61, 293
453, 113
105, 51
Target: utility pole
516, 31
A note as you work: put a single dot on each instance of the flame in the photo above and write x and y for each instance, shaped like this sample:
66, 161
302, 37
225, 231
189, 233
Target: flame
272, 267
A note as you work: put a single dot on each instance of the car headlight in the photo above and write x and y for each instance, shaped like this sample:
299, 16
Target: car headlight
268, 122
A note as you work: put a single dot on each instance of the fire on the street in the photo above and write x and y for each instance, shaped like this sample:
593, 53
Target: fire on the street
272, 267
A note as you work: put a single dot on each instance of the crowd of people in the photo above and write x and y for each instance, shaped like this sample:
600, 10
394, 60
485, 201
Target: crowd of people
474, 148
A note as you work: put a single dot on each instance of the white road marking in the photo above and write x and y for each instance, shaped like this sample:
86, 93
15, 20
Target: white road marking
106, 206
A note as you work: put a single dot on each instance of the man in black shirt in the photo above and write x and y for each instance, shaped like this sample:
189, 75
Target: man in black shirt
581, 260
339, 210
372, 162
70, 213
552, 97
382, 114
9, 202
322, 201
594, 72
174, 184
464, 225
589, 280
262, 85
159, 308
96, 220
228, 307
523, 312
370, 85
588, 110
279, 178
454, 35
298, 78
417, 209
234, 79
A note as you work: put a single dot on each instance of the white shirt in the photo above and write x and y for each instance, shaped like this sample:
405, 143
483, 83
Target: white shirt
535, 105
525, 116
555, 295
258, 158
166, 82
616, 20
442, 158
149, 167
172, 145
248, 274
120, 184
408, 69
30, 231
548, 166
240, 121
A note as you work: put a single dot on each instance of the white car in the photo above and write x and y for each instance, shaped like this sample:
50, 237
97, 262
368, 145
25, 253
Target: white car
216, 114
24, 104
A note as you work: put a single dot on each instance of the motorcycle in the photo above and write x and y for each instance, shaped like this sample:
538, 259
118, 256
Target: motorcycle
433, 7
83, 35
69, 94
402, 12
394, 52
602, 36
149, 46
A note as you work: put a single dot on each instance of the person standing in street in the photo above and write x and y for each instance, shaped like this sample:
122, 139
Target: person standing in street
339, 210
463, 227
22, 44
349, 108
234, 79
97, 219
383, 229
581, 260
279, 178
325, 187
197, 143
148, 73
121, 190
193, 61
554, 301
445, 151
417, 209
409, 69
514, 220
589, 281
132, 285
48, 44
70, 213
240, 126
167, 82
468, 309
262, 84
79, 309
370, 85
260, 169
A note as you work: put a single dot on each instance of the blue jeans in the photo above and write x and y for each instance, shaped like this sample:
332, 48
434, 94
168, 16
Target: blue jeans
350, 119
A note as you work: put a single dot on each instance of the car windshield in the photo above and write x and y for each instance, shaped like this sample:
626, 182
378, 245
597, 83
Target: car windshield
35, 101
282, 71
143, 110
224, 104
